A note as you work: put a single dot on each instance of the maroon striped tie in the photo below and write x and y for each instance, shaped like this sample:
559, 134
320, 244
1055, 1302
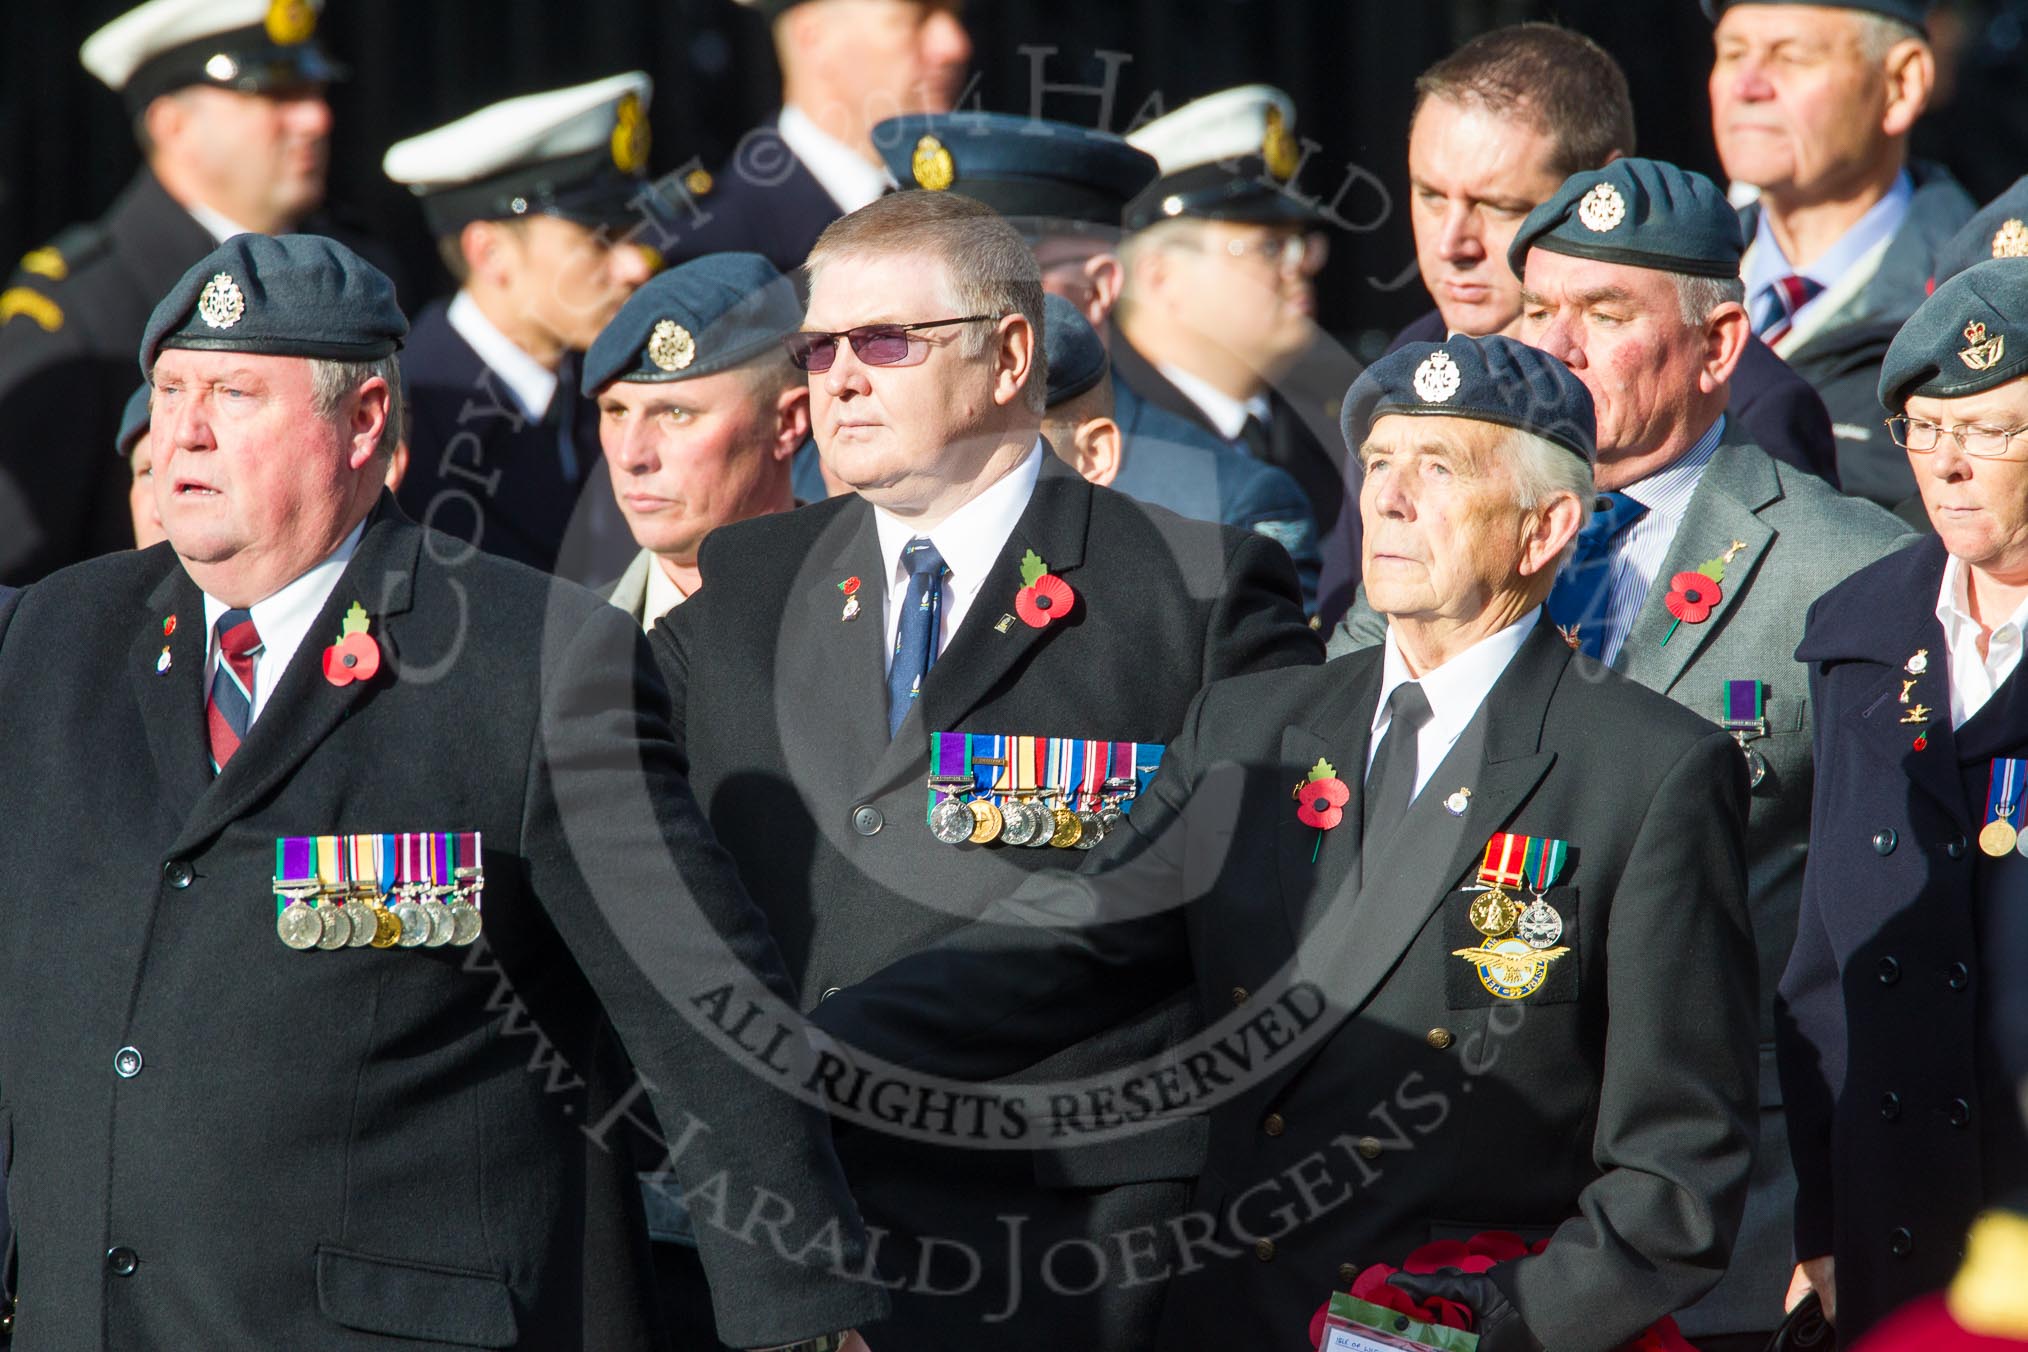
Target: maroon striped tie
230, 708
1779, 303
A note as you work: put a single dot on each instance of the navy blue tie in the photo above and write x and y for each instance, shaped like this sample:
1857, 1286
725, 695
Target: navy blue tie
915, 636
1583, 590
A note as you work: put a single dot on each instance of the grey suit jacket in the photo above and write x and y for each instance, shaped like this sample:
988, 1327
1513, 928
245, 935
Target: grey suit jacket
1801, 538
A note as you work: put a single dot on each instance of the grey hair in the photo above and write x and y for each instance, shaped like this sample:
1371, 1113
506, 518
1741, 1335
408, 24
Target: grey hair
1878, 34
332, 381
1700, 296
1544, 470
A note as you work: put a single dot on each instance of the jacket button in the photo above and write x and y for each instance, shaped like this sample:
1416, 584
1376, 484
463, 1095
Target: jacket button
1439, 1038
127, 1062
1956, 848
1347, 1274
1369, 1147
1884, 841
1273, 1124
829, 991
1890, 971
1264, 1249
121, 1261
178, 873
1900, 1243
866, 820
1239, 995
1890, 1106
1958, 976
1960, 1113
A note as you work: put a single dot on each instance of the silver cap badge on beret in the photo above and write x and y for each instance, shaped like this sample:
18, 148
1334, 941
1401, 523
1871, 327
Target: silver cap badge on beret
222, 302
1437, 379
1602, 208
2011, 240
670, 346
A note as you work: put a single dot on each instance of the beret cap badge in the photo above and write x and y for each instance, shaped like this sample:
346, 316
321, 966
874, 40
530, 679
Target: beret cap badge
1602, 208
1278, 146
670, 346
2011, 240
290, 22
1438, 378
932, 165
1984, 353
631, 137
222, 302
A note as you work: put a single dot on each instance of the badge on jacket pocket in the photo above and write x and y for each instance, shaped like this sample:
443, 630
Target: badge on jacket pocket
1517, 965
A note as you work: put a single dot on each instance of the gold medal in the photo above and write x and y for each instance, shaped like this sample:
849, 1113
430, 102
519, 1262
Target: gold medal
386, 929
987, 821
1494, 913
1997, 838
1067, 829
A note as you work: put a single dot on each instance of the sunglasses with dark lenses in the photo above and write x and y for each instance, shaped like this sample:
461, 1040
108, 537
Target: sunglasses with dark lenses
874, 344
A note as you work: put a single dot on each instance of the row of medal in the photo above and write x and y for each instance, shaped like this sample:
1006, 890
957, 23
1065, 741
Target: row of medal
1512, 861
1068, 793
2002, 831
412, 890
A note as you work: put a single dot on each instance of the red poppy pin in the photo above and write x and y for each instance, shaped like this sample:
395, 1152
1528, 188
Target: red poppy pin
850, 586
356, 654
1044, 597
1320, 801
1693, 596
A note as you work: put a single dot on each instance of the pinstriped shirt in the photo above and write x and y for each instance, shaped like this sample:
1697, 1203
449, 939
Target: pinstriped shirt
1638, 550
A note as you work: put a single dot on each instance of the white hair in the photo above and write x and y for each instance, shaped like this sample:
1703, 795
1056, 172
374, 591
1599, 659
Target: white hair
332, 381
1543, 471
1700, 296
1877, 34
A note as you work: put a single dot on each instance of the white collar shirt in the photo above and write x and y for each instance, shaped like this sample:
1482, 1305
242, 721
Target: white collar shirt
1455, 691
282, 620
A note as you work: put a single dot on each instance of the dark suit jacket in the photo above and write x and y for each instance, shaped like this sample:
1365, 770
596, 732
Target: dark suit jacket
1776, 409
783, 711
1367, 1092
482, 473
1902, 1116
363, 1148
763, 200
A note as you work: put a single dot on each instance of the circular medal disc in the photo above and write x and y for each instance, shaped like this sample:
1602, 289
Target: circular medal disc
1112, 819
1021, 822
1539, 926
386, 928
1494, 913
1997, 838
299, 926
1045, 825
337, 927
439, 916
952, 822
1091, 830
465, 923
415, 924
1756, 768
364, 926
986, 822
1067, 829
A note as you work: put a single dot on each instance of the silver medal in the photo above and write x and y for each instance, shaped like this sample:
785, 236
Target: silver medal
1756, 767
1093, 830
336, 924
465, 923
1539, 926
439, 922
952, 822
415, 923
1023, 820
299, 926
364, 922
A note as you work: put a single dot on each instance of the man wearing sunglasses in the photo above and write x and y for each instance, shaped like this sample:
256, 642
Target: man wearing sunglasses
828, 646
1900, 1087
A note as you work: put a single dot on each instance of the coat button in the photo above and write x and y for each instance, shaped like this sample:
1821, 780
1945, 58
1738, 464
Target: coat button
127, 1062
866, 820
1956, 848
178, 873
1264, 1249
1239, 995
1439, 1038
1889, 970
829, 991
1369, 1147
1890, 1106
1957, 976
1884, 841
1900, 1243
1273, 1124
1959, 1112
1347, 1274
121, 1261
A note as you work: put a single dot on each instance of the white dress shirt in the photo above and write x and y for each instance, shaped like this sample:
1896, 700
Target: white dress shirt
662, 595
216, 224
283, 621
529, 383
1226, 413
970, 539
1638, 551
1974, 676
1455, 691
847, 176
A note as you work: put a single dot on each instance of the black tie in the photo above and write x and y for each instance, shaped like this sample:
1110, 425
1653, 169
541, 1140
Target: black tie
1390, 784
1253, 438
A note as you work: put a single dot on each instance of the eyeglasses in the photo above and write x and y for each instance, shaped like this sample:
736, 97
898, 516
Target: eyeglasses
1305, 254
874, 344
1988, 443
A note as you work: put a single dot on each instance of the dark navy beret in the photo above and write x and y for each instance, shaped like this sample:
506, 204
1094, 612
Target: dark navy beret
1019, 166
2000, 230
133, 421
1914, 13
704, 316
1968, 337
1496, 380
279, 295
1077, 356
1643, 213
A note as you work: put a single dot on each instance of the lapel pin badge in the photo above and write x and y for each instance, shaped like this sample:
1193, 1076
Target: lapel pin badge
1458, 802
1005, 624
356, 654
1917, 664
162, 662
850, 586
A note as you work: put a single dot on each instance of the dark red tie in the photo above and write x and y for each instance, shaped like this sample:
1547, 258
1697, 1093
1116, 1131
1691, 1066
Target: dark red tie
230, 707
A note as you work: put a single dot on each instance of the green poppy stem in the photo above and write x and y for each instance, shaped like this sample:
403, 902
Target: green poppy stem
1315, 849
1671, 634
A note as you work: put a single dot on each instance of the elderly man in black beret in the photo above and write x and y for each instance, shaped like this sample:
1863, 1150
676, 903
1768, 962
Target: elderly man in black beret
265, 1086
1423, 897
1900, 1018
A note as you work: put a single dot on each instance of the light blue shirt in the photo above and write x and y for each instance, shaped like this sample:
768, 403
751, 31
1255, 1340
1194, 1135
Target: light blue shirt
1639, 550
1769, 264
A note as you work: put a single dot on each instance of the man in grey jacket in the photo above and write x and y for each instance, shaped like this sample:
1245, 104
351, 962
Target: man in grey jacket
1696, 569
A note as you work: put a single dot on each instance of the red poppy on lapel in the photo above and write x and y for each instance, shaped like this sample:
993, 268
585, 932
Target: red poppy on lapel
1692, 596
356, 654
1044, 597
1322, 803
